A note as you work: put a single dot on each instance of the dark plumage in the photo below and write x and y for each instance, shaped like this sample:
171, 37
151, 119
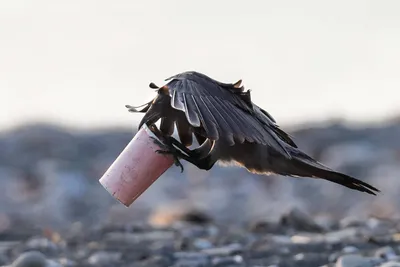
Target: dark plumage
230, 128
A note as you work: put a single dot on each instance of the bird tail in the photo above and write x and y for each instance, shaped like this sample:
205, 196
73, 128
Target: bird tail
306, 166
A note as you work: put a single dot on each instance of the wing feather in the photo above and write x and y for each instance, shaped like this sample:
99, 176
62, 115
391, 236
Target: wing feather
245, 122
177, 101
210, 129
167, 125
190, 113
185, 132
209, 118
224, 127
223, 111
226, 113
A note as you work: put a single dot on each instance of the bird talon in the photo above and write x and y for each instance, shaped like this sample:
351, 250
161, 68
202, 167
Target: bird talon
170, 150
179, 164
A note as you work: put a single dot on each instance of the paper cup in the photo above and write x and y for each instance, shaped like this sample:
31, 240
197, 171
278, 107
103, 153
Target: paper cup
136, 168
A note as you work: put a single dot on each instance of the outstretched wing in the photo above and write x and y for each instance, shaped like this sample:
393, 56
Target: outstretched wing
221, 110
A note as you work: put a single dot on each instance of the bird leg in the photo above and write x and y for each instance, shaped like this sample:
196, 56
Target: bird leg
201, 157
171, 150
198, 153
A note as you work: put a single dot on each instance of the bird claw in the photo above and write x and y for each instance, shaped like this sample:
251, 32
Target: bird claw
169, 150
176, 159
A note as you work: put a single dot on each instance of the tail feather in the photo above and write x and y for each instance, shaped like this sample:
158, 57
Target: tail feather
306, 166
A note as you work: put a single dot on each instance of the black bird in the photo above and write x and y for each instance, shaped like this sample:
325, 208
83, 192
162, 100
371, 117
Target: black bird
229, 128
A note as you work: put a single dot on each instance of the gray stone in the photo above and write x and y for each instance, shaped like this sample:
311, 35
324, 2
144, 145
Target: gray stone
386, 253
301, 221
227, 250
202, 243
357, 261
189, 255
135, 238
67, 262
227, 261
53, 263
31, 259
351, 221
350, 250
342, 235
192, 263
195, 259
104, 258
3, 259
41, 244
390, 264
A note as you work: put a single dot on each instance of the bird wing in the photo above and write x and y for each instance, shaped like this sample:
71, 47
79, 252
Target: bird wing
221, 110
265, 118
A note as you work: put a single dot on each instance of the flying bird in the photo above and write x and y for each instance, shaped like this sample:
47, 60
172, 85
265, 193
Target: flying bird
230, 128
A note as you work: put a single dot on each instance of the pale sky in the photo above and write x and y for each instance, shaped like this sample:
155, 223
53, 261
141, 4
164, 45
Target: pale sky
79, 62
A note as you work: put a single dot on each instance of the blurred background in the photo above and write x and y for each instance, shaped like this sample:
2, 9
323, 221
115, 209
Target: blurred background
326, 71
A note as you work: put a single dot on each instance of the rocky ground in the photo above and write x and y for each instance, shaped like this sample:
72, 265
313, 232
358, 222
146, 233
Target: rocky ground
53, 212
195, 240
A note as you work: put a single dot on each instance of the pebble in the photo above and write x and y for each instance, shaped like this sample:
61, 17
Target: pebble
191, 259
342, 235
227, 250
390, 264
346, 250
67, 262
357, 261
350, 221
202, 243
192, 263
104, 258
135, 238
42, 244
265, 227
301, 221
299, 257
33, 259
350, 250
227, 261
386, 253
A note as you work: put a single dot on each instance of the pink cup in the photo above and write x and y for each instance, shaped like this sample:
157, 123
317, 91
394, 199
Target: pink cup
136, 168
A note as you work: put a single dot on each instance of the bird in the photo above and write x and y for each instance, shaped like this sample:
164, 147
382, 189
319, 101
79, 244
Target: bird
230, 129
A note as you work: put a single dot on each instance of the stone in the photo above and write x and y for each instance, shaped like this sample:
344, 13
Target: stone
42, 244
386, 253
104, 258
31, 259
227, 261
301, 221
357, 261
342, 235
351, 221
195, 259
350, 250
390, 264
227, 250
202, 243
136, 238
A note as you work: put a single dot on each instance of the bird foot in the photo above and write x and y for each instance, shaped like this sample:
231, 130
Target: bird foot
169, 149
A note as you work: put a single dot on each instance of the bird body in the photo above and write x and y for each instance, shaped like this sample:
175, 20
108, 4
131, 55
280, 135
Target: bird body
230, 128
